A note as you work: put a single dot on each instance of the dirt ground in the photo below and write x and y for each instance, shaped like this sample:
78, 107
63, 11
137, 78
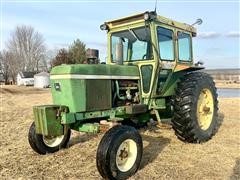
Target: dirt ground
165, 157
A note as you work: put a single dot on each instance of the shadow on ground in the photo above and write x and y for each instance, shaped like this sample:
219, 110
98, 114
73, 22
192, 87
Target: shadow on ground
236, 170
153, 149
150, 152
81, 139
220, 120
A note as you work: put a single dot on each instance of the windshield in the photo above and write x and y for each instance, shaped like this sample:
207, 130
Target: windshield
131, 45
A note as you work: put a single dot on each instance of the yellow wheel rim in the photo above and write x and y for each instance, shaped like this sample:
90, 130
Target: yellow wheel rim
205, 109
126, 155
53, 141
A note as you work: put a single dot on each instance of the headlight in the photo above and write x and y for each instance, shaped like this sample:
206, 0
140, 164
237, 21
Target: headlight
146, 16
104, 27
150, 15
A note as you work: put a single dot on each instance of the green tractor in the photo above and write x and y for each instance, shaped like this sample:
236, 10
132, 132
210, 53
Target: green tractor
149, 74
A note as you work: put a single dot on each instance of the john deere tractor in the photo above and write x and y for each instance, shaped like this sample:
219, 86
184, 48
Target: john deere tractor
149, 74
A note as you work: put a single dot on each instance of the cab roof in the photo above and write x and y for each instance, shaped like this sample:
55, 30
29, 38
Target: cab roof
139, 17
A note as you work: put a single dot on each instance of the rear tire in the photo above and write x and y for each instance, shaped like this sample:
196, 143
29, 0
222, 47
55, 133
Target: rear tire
195, 108
119, 153
43, 145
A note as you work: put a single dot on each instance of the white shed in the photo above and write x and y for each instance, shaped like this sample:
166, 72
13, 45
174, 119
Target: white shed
42, 80
25, 78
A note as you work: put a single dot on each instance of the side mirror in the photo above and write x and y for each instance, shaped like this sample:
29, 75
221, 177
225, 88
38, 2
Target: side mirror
198, 22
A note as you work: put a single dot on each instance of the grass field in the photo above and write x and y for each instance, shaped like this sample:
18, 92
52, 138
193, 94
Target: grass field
165, 157
227, 85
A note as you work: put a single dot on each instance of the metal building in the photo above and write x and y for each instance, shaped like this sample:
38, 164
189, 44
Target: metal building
42, 80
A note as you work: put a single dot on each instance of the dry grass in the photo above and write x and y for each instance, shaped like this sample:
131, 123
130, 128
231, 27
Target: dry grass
227, 85
165, 157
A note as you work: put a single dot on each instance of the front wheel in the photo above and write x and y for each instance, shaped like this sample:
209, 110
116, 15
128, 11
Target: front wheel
119, 153
47, 144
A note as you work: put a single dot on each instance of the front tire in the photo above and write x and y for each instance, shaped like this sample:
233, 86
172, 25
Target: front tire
195, 108
43, 144
119, 153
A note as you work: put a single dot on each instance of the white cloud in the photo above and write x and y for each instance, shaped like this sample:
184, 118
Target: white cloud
208, 35
233, 34
213, 34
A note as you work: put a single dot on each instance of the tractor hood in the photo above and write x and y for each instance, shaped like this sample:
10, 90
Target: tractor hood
87, 87
94, 71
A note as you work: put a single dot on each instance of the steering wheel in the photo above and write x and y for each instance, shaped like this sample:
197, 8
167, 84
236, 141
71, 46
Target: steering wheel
144, 56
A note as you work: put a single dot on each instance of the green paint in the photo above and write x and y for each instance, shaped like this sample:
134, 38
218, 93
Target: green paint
87, 127
111, 113
96, 69
46, 120
82, 95
171, 83
72, 93
68, 118
158, 103
143, 118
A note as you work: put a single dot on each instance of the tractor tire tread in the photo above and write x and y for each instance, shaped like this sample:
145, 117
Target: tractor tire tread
184, 119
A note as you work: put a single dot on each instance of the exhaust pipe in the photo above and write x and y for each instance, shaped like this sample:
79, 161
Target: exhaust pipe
119, 52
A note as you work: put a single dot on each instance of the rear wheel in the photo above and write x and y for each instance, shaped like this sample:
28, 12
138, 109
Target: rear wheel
47, 144
119, 153
195, 108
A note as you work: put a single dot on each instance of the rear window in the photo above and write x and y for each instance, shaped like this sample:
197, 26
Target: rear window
184, 47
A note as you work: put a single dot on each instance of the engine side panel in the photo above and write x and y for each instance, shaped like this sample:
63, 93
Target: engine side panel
98, 94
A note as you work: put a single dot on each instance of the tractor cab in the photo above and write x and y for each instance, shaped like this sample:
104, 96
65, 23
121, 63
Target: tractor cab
157, 45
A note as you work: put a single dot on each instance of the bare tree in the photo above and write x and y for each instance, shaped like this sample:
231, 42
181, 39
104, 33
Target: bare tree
50, 56
8, 65
4, 65
13, 67
28, 48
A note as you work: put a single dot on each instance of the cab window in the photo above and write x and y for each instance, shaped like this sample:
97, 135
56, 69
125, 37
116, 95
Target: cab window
184, 47
165, 42
141, 50
135, 44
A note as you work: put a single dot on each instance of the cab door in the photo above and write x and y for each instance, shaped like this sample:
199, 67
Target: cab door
142, 54
166, 48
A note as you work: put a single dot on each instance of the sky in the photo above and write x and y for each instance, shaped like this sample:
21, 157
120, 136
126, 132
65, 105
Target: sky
61, 22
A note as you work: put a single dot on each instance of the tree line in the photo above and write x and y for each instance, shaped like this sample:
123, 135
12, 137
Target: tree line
26, 50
